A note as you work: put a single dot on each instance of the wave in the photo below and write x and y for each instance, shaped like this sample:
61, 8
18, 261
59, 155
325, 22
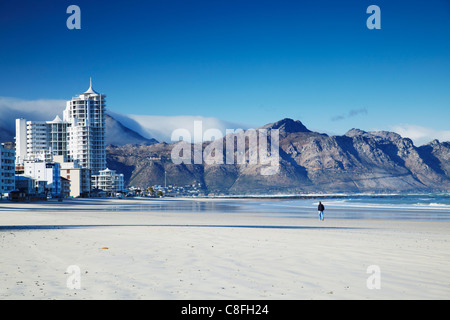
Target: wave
433, 204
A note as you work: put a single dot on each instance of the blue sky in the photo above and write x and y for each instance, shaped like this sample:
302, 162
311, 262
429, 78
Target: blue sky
242, 61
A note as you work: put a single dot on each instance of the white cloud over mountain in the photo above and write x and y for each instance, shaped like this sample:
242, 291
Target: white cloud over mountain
161, 127
157, 127
420, 135
12, 108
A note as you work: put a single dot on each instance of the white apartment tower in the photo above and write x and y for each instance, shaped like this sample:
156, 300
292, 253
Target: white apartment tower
85, 115
32, 140
79, 136
57, 136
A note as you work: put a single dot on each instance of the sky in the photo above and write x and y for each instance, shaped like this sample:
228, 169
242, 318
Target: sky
241, 61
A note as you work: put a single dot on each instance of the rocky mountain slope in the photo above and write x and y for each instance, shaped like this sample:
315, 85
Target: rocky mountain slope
358, 161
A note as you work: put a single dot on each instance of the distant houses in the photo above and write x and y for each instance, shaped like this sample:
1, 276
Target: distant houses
190, 190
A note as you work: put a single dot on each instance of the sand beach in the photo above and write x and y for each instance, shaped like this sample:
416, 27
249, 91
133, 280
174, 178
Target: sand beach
198, 249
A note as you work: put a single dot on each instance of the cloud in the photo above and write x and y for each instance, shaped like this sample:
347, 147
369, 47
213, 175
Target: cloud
420, 135
352, 113
161, 127
337, 118
158, 127
39, 110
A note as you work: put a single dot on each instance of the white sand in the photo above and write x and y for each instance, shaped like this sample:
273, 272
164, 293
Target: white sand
190, 255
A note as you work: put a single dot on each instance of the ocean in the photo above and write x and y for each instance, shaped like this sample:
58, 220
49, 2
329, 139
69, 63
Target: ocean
419, 207
415, 207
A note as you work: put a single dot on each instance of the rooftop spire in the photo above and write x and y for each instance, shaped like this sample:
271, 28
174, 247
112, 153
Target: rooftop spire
91, 90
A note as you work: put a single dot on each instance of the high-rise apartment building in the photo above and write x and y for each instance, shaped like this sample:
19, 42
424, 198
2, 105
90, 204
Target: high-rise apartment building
79, 138
85, 115
57, 136
40, 139
80, 135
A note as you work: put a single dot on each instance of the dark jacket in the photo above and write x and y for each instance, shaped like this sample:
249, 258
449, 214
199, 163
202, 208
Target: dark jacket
321, 207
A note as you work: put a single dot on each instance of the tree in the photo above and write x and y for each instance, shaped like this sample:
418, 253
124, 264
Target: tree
151, 191
160, 193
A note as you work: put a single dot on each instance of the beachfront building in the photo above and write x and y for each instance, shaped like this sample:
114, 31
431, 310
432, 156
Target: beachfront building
85, 115
57, 136
30, 186
31, 140
45, 171
65, 187
79, 177
108, 181
7, 169
21, 140
79, 137
40, 139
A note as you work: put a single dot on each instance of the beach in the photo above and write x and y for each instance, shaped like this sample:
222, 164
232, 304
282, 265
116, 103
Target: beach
202, 249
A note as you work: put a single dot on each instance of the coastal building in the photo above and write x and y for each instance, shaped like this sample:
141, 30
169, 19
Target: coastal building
79, 177
80, 135
65, 187
21, 140
7, 169
57, 136
45, 171
85, 115
79, 138
40, 139
108, 181
30, 186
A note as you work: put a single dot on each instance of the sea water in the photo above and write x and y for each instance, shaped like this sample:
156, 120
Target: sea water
430, 207
419, 207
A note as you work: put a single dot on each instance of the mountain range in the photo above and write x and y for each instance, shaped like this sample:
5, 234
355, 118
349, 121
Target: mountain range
310, 162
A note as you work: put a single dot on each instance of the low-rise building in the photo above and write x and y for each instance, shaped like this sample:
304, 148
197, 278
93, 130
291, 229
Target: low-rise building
45, 171
108, 181
31, 186
80, 178
65, 187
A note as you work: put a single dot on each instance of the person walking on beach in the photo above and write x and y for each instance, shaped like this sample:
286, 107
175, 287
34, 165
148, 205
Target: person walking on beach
321, 209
